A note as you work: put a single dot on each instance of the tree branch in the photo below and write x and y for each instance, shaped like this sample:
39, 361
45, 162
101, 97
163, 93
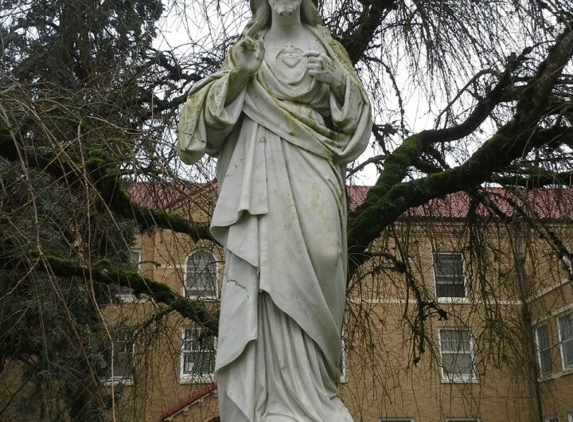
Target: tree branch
110, 187
372, 16
389, 198
104, 272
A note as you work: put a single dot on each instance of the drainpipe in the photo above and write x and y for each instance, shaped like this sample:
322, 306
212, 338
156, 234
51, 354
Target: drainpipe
519, 257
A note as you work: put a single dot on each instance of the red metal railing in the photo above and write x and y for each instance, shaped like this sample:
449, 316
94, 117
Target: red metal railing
188, 402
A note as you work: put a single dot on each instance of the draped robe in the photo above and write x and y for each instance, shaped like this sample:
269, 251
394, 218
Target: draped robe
281, 216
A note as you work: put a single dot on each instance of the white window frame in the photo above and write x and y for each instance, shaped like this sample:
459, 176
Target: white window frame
125, 341
565, 343
122, 294
395, 419
566, 261
449, 279
189, 377
135, 258
570, 417
462, 420
551, 419
543, 352
201, 294
343, 367
453, 378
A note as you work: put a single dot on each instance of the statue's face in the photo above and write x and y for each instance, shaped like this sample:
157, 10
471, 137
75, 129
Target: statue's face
285, 7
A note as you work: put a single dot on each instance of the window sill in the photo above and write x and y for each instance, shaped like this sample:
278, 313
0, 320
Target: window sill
201, 297
453, 300
199, 379
460, 381
118, 381
556, 375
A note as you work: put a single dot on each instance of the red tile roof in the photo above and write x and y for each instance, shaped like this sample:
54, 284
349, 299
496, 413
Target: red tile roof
163, 196
543, 203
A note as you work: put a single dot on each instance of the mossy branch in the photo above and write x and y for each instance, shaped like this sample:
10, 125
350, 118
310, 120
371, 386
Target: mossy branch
391, 197
408, 153
103, 169
103, 271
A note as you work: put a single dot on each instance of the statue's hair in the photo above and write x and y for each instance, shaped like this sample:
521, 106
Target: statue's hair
262, 13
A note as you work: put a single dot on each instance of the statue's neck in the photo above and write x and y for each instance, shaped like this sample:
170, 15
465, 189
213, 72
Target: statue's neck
285, 26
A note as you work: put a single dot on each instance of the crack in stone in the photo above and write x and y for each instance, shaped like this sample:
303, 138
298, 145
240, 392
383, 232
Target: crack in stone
240, 286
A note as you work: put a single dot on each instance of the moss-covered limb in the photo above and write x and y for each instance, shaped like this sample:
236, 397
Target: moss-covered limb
104, 170
408, 153
390, 197
148, 218
378, 211
103, 271
483, 108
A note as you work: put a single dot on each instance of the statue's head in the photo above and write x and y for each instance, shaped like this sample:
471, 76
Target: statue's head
262, 13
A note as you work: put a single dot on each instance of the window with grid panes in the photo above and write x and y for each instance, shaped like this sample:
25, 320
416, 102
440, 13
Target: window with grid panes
457, 355
197, 354
565, 326
201, 274
543, 350
119, 358
449, 275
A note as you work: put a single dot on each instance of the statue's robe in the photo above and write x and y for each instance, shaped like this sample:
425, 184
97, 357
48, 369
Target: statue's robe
281, 216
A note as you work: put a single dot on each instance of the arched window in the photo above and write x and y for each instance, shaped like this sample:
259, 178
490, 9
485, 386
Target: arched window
201, 274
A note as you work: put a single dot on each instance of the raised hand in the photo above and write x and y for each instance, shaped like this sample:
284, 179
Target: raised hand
249, 51
248, 55
326, 70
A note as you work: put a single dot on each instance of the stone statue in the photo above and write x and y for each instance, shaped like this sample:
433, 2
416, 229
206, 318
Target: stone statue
284, 116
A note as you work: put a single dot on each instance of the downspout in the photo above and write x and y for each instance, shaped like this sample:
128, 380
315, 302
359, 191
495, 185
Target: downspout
534, 375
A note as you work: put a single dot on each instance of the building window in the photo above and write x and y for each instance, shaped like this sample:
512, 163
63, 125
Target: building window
449, 275
457, 355
201, 274
565, 325
543, 350
197, 354
119, 358
135, 259
570, 417
551, 419
120, 294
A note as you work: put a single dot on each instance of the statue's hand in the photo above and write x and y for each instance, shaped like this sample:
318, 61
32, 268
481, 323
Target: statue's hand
326, 70
249, 51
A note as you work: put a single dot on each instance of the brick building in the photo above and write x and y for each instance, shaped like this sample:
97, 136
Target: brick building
464, 312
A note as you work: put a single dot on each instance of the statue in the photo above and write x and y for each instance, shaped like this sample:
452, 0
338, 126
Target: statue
284, 116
